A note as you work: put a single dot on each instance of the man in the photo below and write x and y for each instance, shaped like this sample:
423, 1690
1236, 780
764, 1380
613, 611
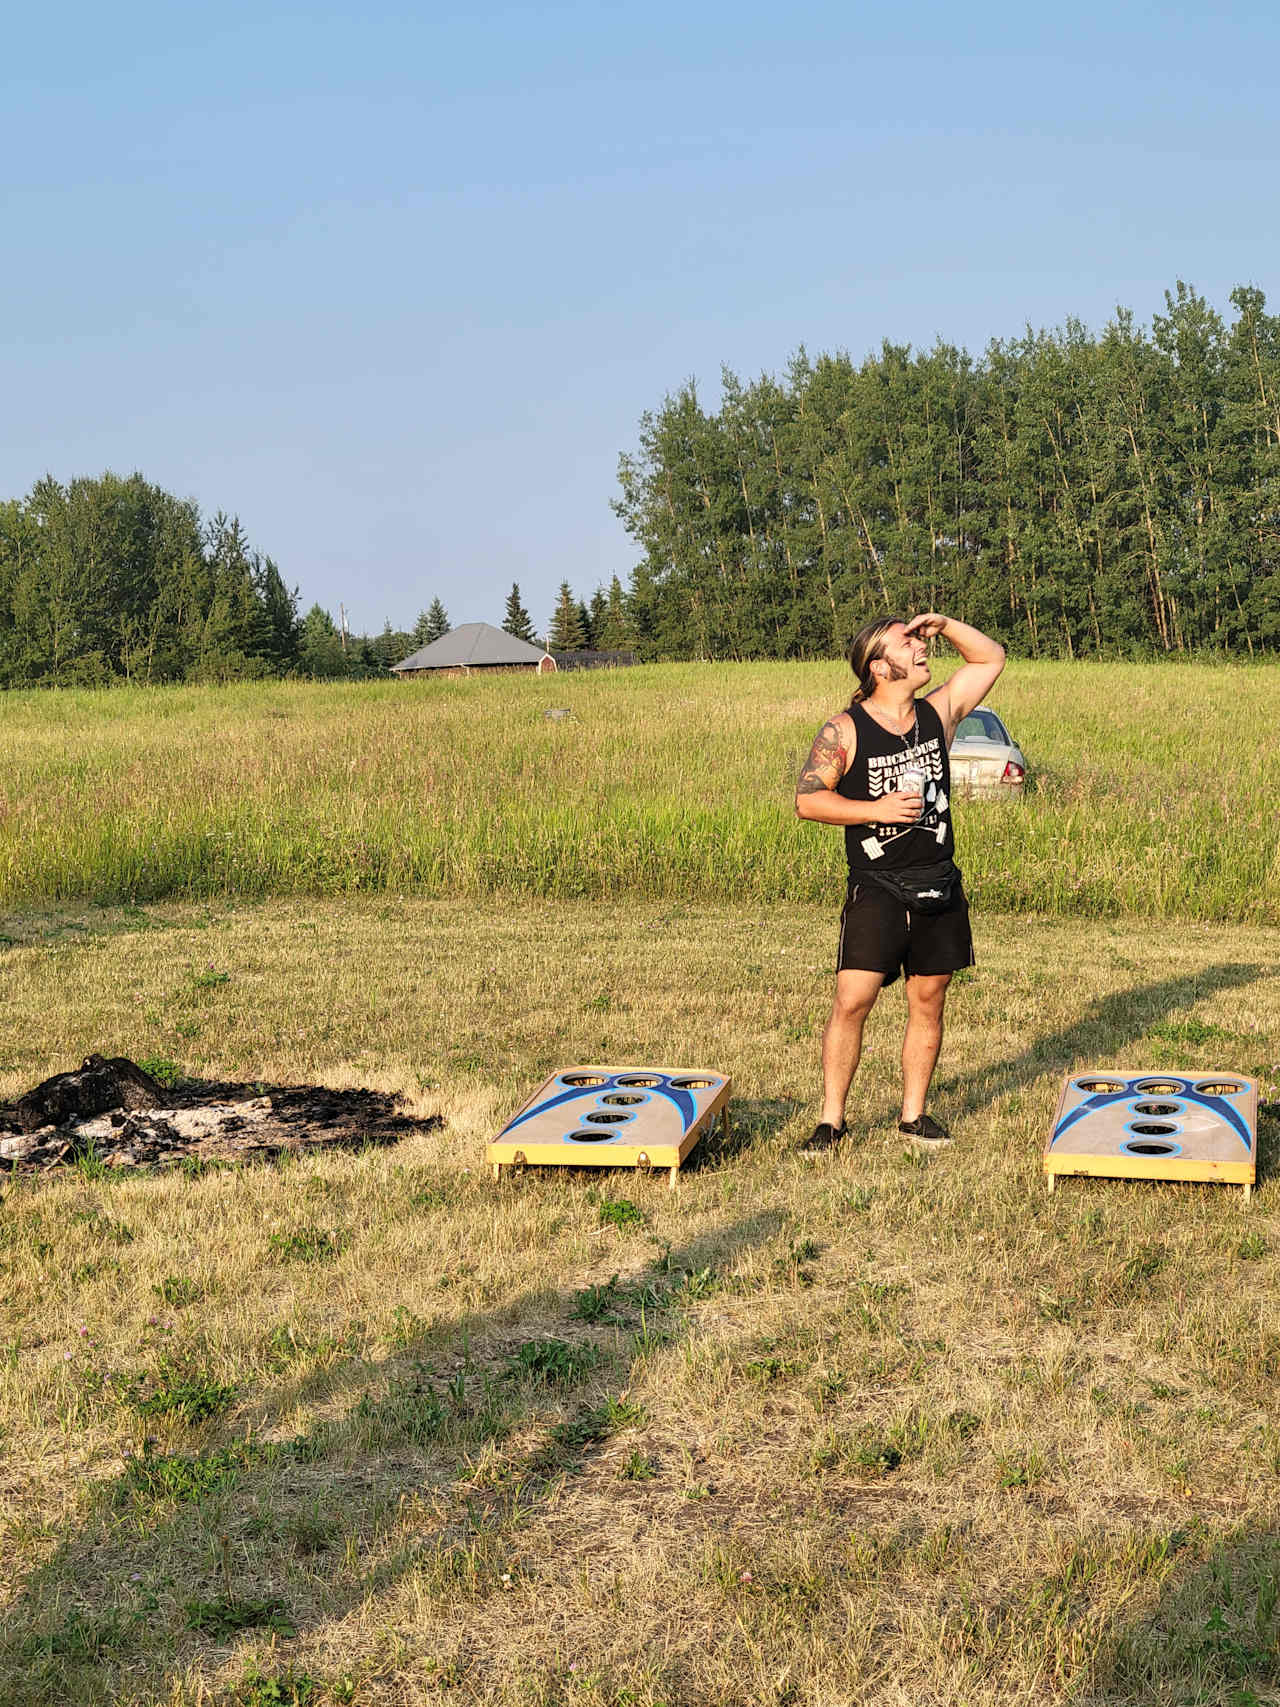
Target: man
881, 770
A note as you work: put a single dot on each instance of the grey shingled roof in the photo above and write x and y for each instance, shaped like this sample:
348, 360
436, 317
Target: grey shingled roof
474, 643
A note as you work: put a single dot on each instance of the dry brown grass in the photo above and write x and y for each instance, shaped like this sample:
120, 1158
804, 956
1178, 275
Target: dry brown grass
861, 1430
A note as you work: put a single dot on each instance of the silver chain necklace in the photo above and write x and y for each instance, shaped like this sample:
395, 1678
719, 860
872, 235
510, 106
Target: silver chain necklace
907, 746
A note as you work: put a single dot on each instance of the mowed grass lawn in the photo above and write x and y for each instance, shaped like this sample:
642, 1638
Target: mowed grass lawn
372, 1427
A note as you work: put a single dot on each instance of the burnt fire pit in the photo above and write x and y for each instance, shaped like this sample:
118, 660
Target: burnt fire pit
113, 1110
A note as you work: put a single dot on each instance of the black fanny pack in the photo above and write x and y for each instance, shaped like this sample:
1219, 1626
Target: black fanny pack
921, 888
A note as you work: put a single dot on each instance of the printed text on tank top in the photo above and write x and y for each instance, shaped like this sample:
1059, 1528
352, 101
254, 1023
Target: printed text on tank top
881, 757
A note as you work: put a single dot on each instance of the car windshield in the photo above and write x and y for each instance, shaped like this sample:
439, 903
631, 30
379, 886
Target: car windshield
982, 725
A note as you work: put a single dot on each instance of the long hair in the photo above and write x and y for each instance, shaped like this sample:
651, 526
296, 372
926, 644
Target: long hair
864, 649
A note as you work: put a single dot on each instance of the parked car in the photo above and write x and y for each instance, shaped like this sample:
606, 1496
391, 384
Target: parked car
986, 761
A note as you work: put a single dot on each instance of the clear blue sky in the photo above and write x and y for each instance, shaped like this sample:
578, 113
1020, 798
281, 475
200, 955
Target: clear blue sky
395, 283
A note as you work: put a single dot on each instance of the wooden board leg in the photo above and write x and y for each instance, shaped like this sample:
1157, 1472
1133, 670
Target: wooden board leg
1248, 1192
1053, 1180
672, 1184
497, 1170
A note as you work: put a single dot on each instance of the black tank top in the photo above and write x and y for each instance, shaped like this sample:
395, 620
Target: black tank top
877, 769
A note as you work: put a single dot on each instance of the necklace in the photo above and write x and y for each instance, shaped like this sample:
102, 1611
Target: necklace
914, 731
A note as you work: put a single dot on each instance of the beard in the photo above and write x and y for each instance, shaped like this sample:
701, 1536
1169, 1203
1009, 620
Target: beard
896, 671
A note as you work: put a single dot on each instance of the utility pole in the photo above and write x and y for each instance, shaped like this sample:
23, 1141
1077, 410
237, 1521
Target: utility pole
342, 614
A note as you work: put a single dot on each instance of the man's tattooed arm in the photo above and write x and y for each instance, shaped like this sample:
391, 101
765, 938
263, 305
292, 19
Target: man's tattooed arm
826, 762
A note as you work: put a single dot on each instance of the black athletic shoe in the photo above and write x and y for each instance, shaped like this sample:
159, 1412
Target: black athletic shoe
824, 1136
925, 1133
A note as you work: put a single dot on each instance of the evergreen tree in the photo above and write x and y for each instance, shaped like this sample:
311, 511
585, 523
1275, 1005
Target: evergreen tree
108, 578
597, 615
613, 634
436, 623
280, 608
320, 651
391, 647
364, 657
235, 640
644, 606
584, 622
517, 620
566, 624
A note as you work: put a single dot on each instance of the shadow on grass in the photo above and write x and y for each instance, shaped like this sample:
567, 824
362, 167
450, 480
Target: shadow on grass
203, 1537
34, 926
1212, 1639
753, 1123
1100, 1037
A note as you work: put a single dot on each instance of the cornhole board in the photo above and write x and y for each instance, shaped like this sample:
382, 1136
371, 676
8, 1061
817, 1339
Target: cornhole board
613, 1117
1165, 1126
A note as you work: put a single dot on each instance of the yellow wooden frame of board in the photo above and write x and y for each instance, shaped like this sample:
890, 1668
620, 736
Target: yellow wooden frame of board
519, 1151
1201, 1170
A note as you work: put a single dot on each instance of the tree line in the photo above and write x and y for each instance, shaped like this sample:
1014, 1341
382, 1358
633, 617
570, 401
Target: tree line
1072, 493
106, 579
110, 579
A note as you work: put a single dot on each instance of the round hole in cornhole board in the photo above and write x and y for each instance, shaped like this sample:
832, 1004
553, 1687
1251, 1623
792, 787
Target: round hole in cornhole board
1152, 1128
1157, 1108
1158, 1088
692, 1084
1151, 1147
605, 1119
576, 1079
623, 1099
641, 1081
1220, 1088
596, 1137
1098, 1086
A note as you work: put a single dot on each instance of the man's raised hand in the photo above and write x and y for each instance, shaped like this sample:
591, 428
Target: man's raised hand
926, 626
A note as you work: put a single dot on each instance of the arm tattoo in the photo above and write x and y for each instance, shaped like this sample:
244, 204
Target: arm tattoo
826, 762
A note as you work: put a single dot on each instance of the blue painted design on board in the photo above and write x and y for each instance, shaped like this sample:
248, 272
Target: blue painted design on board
1220, 1106
1100, 1099
685, 1105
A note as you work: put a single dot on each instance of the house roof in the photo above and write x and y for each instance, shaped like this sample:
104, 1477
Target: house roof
473, 643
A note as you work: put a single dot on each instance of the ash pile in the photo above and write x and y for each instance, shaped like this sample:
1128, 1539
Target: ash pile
115, 1112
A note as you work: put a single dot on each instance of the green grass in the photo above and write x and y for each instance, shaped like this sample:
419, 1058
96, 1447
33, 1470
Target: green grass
553, 1363
186, 1395
306, 1244
670, 781
227, 1616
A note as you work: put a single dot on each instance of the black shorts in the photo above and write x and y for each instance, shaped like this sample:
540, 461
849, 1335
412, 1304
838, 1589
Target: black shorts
878, 934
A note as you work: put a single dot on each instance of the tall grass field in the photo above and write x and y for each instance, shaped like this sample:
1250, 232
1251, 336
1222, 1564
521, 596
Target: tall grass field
1152, 790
